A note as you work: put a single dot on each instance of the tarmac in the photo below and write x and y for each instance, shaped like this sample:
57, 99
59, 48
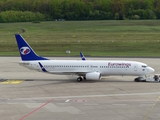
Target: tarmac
31, 95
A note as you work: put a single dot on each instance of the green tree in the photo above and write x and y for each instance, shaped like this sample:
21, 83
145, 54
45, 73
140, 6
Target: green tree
158, 10
84, 9
66, 8
118, 6
139, 12
19, 16
80, 9
106, 5
136, 4
147, 4
55, 9
116, 17
146, 14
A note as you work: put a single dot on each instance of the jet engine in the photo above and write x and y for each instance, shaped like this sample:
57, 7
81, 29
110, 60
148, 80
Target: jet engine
93, 76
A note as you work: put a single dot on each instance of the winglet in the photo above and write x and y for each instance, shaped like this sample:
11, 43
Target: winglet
82, 56
26, 52
43, 69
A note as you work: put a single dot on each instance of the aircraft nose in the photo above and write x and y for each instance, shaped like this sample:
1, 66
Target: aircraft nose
150, 70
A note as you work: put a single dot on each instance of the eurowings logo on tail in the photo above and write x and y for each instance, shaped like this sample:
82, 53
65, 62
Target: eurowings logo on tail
25, 50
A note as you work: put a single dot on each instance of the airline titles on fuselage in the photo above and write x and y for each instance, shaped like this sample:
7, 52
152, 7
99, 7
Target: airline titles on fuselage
110, 64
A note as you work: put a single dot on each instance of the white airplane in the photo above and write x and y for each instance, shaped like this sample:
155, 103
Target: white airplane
88, 69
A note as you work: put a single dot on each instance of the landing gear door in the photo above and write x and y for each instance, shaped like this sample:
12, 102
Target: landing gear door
135, 67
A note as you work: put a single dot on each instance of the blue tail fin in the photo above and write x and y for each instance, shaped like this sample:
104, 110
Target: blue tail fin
82, 56
25, 50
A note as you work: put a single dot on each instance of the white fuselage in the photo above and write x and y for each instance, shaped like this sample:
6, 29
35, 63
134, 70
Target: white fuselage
79, 67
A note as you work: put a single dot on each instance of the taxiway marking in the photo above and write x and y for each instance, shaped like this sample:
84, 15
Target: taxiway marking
119, 104
11, 81
36, 109
90, 96
67, 100
151, 108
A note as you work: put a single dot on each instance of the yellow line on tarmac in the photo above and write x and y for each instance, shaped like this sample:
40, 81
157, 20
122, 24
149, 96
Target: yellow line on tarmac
16, 81
12, 82
5, 82
151, 108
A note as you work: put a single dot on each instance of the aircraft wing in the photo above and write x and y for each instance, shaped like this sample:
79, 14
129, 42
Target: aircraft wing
68, 73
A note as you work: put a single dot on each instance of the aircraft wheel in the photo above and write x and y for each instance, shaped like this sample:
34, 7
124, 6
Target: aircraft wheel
79, 79
136, 80
84, 78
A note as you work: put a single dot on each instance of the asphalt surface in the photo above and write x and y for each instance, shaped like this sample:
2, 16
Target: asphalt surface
31, 95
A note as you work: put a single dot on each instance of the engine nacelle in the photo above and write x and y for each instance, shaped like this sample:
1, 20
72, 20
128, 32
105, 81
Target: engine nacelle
93, 76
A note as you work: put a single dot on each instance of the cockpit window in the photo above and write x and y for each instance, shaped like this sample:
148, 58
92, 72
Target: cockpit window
144, 66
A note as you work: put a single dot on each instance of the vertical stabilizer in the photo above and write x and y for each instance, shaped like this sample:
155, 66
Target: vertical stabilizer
26, 52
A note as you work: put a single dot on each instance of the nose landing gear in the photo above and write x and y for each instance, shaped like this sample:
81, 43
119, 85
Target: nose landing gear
155, 78
136, 80
140, 79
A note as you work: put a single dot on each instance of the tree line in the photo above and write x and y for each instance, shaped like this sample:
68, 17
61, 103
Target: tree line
38, 10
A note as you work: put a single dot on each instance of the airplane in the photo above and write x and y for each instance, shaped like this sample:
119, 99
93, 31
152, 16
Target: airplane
82, 56
88, 69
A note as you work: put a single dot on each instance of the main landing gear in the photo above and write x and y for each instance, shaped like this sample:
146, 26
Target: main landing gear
79, 79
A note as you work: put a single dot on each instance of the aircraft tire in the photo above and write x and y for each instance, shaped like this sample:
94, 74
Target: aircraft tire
79, 79
136, 80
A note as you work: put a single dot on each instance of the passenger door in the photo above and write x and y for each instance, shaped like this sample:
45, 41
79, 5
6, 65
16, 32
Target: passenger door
135, 67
